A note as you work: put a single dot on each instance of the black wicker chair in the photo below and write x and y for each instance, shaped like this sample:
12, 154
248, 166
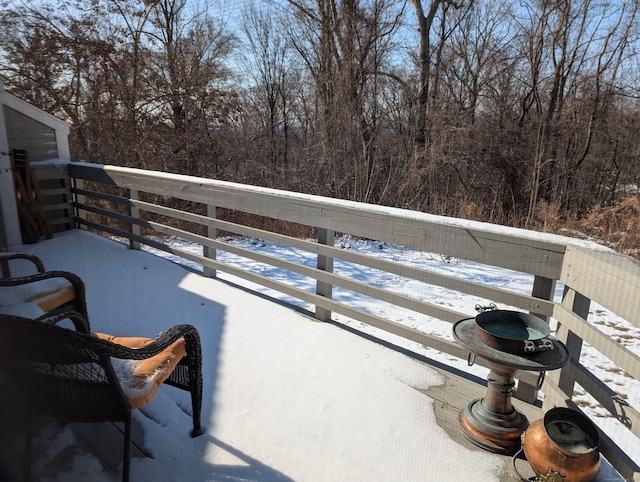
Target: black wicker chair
78, 301
69, 374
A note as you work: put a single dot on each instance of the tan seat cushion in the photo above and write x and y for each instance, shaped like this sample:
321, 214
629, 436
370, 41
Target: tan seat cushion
47, 294
140, 379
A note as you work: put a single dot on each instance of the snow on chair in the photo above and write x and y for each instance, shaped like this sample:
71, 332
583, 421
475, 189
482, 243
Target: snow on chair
34, 294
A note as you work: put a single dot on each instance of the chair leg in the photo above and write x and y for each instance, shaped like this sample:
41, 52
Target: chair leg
197, 427
26, 471
126, 457
195, 379
194, 370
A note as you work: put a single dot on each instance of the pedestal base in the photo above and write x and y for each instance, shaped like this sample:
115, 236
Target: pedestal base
492, 422
496, 432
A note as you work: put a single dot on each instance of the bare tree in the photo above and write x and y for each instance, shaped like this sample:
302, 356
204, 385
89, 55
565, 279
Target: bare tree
501, 110
269, 58
584, 42
189, 83
426, 18
93, 60
479, 56
344, 45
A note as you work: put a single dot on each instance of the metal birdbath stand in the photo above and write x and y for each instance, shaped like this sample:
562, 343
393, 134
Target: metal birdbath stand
492, 422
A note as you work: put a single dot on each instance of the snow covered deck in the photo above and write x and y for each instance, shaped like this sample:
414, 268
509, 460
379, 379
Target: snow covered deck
285, 397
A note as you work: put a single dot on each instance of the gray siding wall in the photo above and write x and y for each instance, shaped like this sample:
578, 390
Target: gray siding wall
26, 133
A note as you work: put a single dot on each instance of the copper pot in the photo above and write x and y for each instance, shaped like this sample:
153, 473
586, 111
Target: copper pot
565, 442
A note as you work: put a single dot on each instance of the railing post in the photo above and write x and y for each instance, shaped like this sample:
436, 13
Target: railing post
211, 232
325, 263
134, 212
67, 183
543, 288
579, 304
78, 214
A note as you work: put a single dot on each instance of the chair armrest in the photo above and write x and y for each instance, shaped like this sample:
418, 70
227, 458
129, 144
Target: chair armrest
6, 257
80, 323
73, 278
188, 332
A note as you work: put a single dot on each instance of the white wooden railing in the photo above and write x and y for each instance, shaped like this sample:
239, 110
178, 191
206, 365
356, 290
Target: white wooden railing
109, 199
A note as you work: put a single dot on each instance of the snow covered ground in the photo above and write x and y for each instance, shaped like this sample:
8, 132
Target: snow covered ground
353, 402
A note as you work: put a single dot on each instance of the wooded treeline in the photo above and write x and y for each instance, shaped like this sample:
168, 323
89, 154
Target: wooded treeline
493, 110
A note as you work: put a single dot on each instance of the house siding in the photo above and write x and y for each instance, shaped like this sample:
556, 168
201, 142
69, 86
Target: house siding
28, 134
25, 127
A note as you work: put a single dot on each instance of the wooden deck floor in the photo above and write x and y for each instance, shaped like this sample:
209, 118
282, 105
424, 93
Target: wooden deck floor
452, 396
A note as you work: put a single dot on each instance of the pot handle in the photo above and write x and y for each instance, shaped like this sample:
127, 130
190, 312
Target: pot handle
513, 463
552, 476
471, 359
481, 309
535, 346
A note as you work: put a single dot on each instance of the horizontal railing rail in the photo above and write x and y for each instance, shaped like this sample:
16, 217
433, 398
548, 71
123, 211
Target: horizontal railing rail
138, 205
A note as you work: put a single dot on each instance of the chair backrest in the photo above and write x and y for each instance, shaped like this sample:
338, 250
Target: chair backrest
65, 373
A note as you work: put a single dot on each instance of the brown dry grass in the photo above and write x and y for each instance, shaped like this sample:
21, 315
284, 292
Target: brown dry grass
616, 226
